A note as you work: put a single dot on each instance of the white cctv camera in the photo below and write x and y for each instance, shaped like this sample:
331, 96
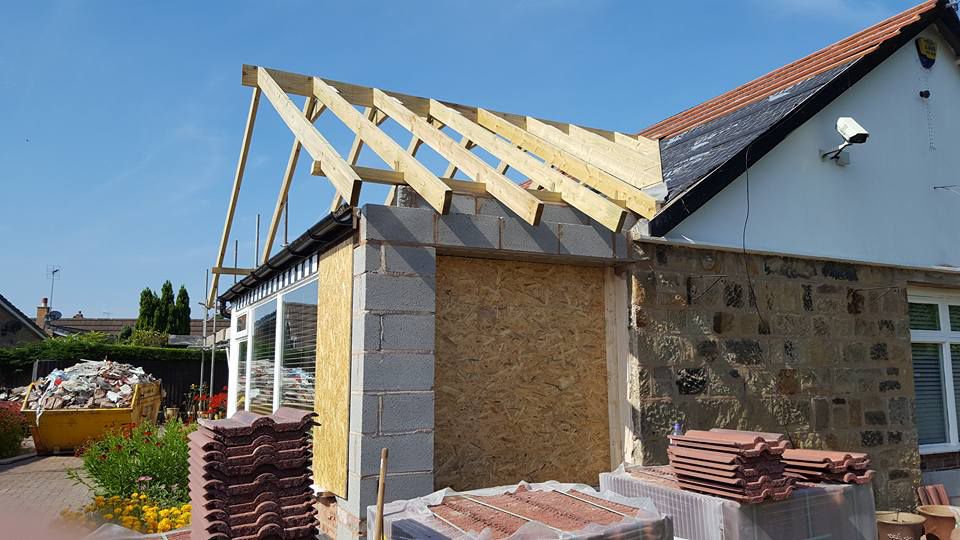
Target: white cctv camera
852, 133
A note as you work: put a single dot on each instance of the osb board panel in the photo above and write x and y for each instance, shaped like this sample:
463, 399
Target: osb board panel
521, 373
332, 402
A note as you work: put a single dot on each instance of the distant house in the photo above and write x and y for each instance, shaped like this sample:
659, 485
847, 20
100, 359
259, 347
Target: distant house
15, 327
110, 326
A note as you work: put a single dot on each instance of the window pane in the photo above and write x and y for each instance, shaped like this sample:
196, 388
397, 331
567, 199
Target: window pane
955, 318
262, 363
299, 357
924, 317
928, 386
241, 375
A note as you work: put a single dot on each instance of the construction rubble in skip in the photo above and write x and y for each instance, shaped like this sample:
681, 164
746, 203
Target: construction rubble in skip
88, 385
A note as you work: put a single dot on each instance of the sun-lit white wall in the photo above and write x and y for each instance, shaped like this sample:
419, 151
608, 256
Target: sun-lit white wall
881, 208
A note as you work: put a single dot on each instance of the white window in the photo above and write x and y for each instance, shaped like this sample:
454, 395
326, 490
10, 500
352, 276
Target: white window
935, 337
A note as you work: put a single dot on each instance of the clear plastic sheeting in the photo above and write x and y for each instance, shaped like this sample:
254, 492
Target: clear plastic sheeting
414, 519
813, 512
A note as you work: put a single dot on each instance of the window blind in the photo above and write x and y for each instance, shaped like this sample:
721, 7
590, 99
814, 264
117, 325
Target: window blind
924, 316
928, 387
954, 318
241, 375
299, 355
262, 363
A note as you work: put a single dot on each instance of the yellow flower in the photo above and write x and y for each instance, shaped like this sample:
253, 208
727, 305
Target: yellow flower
143, 496
108, 516
118, 510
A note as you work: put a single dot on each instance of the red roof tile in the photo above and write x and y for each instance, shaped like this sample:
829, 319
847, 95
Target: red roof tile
842, 52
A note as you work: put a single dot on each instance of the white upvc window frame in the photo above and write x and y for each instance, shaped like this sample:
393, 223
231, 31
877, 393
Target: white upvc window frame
943, 338
249, 336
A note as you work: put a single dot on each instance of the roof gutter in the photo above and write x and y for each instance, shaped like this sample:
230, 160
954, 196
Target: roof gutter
325, 234
707, 187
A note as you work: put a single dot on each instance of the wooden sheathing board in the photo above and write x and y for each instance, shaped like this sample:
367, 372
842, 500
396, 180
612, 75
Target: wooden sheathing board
332, 402
521, 373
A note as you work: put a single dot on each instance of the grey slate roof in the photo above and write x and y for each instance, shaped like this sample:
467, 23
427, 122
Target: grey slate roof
691, 155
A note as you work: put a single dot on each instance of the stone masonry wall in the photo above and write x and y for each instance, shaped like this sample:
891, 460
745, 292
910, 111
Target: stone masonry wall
816, 349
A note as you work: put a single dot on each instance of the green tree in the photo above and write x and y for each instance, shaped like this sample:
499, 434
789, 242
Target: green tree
182, 309
165, 308
146, 318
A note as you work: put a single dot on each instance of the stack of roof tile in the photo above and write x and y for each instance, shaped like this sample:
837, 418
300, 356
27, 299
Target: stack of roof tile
738, 465
250, 477
824, 466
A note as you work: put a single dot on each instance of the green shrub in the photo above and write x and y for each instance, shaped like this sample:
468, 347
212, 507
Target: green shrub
13, 430
148, 338
144, 459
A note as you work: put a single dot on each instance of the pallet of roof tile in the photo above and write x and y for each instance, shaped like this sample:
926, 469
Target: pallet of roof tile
744, 445
203, 440
761, 450
746, 474
264, 463
263, 482
242, 504
245, 423
771, 438
549, 510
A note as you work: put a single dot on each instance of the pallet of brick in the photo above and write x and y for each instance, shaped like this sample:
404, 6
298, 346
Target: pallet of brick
813, 511
823, 466
741, 466
250, 477
523, 511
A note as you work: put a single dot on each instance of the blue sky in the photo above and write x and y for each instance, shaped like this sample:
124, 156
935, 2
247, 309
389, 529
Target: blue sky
120, 122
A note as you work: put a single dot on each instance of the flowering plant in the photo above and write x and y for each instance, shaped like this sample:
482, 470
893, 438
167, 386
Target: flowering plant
136, 511
141, 459
14, 428
217, 404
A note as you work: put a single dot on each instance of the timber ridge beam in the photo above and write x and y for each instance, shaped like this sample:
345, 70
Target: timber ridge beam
601, 173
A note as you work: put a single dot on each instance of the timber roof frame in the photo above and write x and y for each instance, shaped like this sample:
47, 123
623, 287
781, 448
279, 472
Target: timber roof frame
601, 173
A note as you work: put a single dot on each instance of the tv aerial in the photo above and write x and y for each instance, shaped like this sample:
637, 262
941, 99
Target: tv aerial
53, 274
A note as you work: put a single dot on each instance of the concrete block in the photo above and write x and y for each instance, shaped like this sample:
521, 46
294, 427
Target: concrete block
621, 245
364, 413
395, 293
519, 235
489, 206
410, 260
406, 412
413, 225
585, 240
561, 213
394, 371
408, 332
409, 452
366, 258
463, 204
366, 332
363, 490
468, 231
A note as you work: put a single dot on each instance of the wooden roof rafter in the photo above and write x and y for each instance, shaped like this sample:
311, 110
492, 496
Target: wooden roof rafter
601, 173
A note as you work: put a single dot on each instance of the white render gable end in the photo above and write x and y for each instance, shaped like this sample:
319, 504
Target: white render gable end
896, 203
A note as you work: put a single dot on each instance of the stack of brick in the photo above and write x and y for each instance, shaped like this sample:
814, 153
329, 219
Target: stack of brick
822, 466
250, 477
742, 466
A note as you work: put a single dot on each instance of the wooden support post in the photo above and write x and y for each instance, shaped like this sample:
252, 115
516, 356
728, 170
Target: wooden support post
281, 205
355, 148
235, 192
381, 490
339, 171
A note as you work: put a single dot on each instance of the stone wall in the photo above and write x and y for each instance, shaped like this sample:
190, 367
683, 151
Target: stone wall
816, 349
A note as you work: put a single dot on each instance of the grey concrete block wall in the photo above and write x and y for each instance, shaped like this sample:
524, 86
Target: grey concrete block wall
394, 310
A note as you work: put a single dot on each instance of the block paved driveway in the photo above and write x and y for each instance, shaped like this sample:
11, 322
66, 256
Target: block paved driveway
37, 489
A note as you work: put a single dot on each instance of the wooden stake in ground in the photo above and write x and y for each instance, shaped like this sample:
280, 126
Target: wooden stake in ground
378, 527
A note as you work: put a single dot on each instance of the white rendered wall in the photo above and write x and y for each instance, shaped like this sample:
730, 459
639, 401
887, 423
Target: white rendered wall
882, 208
